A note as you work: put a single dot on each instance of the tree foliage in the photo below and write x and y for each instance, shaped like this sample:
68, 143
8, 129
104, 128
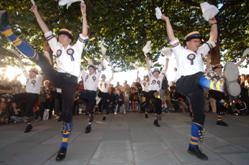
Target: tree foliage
124, 26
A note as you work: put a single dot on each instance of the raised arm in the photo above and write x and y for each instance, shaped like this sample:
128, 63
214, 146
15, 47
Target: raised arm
84, 19
244, 56
165, 67
148, 63
214, 30
169, 28
39, 19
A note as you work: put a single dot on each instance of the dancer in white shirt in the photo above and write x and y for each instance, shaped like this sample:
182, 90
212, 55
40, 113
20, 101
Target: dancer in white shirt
68, 58
103, 86
90, 81
191, 79
155, 86
33, 90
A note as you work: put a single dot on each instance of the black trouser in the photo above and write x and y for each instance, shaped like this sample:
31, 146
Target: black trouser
65, 81
145, 104
89, 97
189, 87
156, 103
57, 103
104, 104
219, 101
31, 99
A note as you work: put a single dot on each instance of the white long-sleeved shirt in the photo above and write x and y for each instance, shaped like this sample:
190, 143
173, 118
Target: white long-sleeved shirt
68, 59
189, 62
90, 81
103, 86
33, 85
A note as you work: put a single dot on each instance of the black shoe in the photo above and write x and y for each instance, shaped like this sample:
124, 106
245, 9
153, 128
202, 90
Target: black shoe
221, 123
88, 128
28, 128
104, 118
156, 123
197, 152
59, 119
91, 118
3, 19
146, 115
61, 154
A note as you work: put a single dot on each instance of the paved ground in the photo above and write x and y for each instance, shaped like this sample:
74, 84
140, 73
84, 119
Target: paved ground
127, 140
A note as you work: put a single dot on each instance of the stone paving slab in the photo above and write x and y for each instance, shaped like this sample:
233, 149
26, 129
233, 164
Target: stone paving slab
127, 140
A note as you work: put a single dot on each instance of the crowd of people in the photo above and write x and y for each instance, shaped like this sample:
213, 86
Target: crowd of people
62, 92
115, 99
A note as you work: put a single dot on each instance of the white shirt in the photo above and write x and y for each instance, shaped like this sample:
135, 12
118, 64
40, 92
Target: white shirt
145, 85
103, 86
189, 62
90, 81
33, 85
68, 59
155, 84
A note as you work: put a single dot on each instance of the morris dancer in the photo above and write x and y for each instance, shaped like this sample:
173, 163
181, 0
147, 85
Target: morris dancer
68, 59
191, 79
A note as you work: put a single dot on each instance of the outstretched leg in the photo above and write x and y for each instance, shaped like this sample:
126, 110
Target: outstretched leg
22, 46
229, 84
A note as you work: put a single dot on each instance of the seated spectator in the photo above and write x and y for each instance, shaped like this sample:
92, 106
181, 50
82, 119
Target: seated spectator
239, 106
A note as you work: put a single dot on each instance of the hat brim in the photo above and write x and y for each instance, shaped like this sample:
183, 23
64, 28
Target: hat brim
91, 66
193, 36
66, 33
155, 71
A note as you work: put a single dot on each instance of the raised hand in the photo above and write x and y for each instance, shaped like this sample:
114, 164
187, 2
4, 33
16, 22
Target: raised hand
212, 21
33, 8
164, 17
83, 7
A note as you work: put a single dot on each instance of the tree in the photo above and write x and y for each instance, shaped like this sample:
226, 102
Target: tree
125, 25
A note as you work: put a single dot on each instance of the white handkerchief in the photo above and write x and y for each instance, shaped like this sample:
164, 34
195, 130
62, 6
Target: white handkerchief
166, 52
246, 52
208, 11
147, 47
33, 2
158, 13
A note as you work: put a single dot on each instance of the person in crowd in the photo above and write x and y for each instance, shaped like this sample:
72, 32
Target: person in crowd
145, 95
119, 101
219, 97
47, 100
